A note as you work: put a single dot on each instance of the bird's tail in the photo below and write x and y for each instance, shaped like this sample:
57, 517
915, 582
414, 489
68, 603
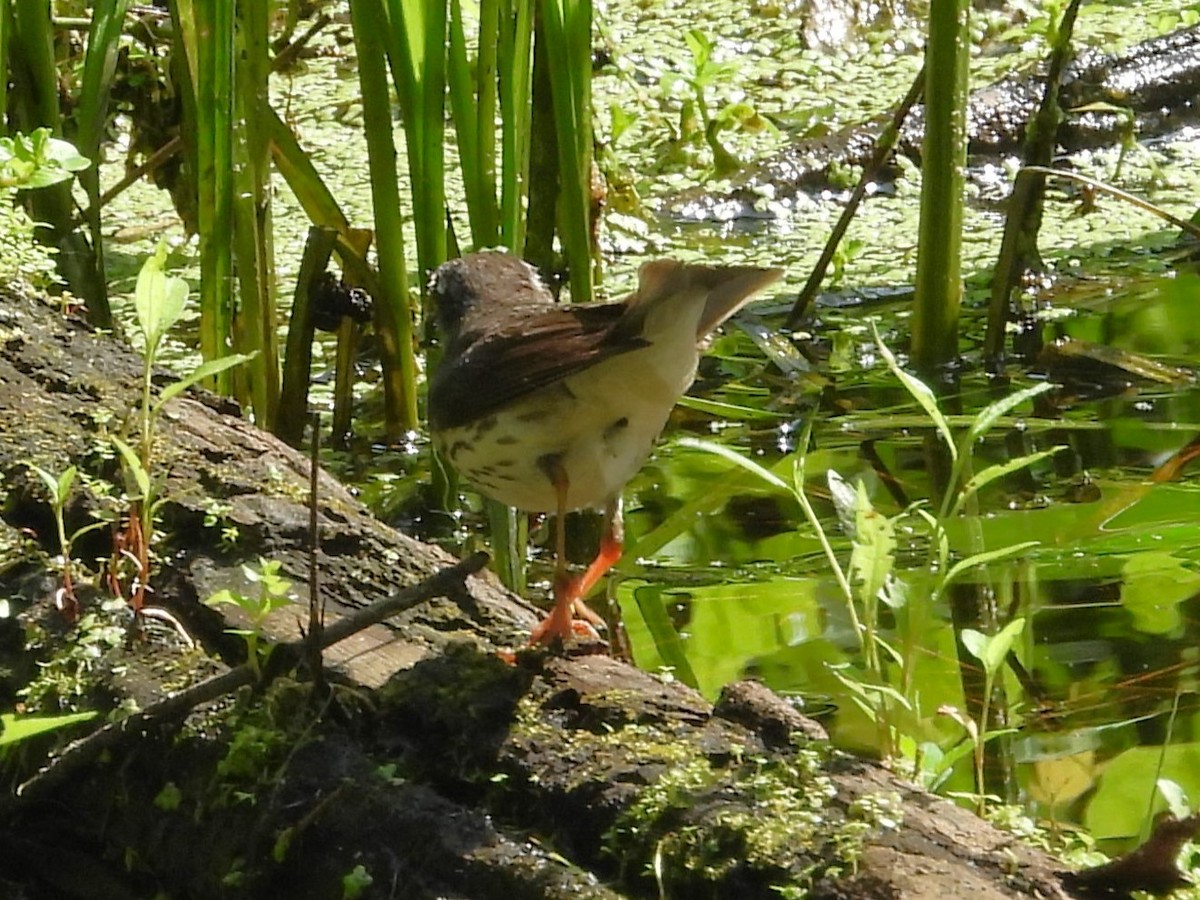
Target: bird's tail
726, 288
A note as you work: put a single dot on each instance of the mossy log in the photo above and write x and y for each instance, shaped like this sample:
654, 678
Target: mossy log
427, 766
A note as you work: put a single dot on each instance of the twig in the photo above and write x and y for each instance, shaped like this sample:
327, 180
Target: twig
85, 751
884, 144
316, 608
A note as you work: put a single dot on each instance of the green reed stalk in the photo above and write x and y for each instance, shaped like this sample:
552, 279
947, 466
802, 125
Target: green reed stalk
34, 104
213, 142
91, 115
393, 308
5, 37
253, 250
568, 30
944, 153
416, 52
469, 95
516, 102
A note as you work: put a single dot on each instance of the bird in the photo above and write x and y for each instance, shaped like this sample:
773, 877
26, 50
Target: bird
551, 407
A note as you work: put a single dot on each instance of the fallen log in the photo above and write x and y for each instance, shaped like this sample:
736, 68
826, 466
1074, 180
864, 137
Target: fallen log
429, 766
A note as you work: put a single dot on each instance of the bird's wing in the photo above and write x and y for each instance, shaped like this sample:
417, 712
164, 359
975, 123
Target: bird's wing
525, 352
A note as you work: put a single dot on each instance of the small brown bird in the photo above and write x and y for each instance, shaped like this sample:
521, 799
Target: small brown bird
553, 407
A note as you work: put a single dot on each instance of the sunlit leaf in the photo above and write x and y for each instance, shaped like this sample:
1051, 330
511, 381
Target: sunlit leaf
1175, 796
993, 412
874, 551
19, 728
158, 298
140, 476
734, 457
652, 605
991, 650
212, 367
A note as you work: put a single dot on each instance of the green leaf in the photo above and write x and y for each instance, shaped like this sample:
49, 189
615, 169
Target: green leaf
993, 412
1175, 796
992, 650
920, 391
734, 457
212, 367
158, 299
975, 642
65, 480
19, 728
981, 479
140, 476
873, 556
982, 559
47, 479
651, 604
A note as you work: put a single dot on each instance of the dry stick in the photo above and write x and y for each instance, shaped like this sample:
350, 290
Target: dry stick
316, 608
86, 750
291, 52
883, 147
1018, 246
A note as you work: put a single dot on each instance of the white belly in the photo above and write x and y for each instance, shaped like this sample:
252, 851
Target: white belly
601, 424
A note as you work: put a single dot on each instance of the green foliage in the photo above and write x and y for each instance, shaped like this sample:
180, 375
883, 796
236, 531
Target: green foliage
59, 489
14, 729
355, 882
68, 677
274, 592
159, 301
991, 651
708, 72
37, 160
884, 688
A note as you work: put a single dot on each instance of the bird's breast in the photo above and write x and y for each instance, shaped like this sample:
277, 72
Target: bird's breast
598, 426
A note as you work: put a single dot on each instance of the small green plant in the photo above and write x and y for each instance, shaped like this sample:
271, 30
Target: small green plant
355, 882
706, 73
59, 489
991, 651
37, 160
273, 593
158, 303
67, 678
884, 688
216, 515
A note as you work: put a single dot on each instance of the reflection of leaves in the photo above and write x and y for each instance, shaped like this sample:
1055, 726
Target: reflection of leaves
1118, 807
1156, 583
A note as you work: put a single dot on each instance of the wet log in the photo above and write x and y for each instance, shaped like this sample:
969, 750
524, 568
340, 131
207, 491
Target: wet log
1147, 90
428, 765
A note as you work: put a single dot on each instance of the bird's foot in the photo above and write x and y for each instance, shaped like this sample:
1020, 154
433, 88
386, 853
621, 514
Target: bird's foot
570, 618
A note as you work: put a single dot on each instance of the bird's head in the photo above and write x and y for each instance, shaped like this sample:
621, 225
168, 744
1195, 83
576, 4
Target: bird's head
465, 288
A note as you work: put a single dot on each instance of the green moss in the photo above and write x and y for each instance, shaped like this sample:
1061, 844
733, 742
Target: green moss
768, 819
69, 677
598, 751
